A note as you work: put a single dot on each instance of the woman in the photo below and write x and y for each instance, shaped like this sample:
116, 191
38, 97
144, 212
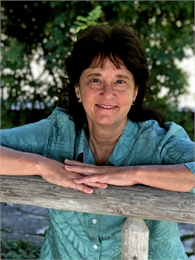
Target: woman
103, 135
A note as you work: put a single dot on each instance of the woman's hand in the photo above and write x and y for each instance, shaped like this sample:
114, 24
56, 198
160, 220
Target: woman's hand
176, 177
22, 163
53, 171
120, 176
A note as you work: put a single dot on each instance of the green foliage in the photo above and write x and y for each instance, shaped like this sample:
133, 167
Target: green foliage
184, 118
184, 238
92, 18
20, 249
43, 32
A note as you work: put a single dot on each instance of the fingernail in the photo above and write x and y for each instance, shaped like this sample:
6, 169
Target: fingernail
90, 191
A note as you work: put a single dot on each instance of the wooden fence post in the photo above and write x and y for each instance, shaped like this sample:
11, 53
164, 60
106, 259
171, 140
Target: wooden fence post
135, 238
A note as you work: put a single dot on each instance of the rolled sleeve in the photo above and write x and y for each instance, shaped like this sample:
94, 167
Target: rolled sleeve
178, 148
32, 138
53, 137
191, 167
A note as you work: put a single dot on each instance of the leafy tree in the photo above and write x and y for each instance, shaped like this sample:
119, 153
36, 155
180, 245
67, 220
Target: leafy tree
43, 32
83, 22
20, 249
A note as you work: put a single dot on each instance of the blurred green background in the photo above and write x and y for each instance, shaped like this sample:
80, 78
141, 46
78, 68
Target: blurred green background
37, 36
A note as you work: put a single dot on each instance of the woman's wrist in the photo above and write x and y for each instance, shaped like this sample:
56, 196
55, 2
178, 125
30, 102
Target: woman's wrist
43, 165
134, 175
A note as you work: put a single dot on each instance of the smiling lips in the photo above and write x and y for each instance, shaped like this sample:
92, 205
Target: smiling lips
106, 107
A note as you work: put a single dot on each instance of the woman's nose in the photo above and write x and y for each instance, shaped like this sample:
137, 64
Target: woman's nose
107, 90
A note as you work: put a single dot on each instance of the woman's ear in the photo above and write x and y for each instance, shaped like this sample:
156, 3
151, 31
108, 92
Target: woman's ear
135, 93
77, 91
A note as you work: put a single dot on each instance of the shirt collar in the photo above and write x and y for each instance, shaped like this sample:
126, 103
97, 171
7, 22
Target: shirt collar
121, 152
123, 149
80, 145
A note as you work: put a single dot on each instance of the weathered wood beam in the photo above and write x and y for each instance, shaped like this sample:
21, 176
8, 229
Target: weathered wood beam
135, 240
136, 202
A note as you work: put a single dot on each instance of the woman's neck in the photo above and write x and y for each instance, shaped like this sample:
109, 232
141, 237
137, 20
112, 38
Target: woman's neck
102, 141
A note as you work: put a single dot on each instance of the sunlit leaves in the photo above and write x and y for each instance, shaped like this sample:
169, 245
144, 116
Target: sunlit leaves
83, 22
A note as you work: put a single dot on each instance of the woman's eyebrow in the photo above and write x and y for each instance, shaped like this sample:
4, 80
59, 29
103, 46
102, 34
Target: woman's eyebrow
122, 76
94, 74
99, 74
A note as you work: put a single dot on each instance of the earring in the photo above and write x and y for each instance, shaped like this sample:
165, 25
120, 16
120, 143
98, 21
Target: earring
77, 92
79, 99
133, 103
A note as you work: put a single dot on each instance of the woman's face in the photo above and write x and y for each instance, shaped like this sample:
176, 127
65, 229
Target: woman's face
107, 94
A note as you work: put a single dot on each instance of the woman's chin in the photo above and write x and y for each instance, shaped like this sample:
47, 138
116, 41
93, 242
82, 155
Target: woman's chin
107, 121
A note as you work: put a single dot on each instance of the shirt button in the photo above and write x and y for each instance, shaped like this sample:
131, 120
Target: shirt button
94, 221
94, 246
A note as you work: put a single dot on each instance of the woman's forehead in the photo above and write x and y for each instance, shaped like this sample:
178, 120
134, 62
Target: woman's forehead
100, 60
107, 68
108, 64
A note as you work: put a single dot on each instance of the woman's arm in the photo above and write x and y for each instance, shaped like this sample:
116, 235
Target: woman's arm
22, 163
170, 177
169, 165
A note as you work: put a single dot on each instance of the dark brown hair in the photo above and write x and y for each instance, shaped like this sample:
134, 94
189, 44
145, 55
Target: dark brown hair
94, 44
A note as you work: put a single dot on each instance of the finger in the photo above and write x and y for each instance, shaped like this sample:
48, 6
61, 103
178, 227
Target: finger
82, 187
97, 185
81, 169
90, 179
75, 163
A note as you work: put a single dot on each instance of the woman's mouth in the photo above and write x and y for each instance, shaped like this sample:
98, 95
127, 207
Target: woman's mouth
106, 106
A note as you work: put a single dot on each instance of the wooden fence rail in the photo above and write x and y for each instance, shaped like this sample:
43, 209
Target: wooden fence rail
136, 203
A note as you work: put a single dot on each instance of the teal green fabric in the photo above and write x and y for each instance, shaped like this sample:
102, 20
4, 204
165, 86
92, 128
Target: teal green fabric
75, 235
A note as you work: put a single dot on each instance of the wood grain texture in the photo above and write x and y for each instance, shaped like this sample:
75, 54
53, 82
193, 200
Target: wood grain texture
135, 240
138, 201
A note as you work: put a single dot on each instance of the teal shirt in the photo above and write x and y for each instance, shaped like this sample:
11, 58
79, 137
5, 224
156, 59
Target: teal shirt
76, 235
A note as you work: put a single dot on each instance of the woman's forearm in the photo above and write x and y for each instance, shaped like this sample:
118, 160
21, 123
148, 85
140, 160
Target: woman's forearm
20, 163
170, 177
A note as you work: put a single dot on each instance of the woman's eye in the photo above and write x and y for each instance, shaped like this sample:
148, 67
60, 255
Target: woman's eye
95, 80
120, 81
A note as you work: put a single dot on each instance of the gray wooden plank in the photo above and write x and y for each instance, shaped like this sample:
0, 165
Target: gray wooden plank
135, 239
137, 201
